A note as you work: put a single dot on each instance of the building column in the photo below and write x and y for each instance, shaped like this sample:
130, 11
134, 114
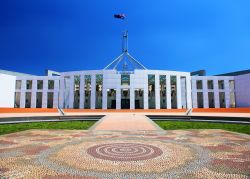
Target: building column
145, 90
71, 92
33, 94
189, 92
45, 94
104, 98
22, 94
55, 93
157, 92
227, 93
104, 92
61, 92
82, 92
93, 91
132, 98
55, 99
194, 94
22, 99
145, 98
168, 91
216, 94
178, 86
205, 93
183, 92
118, 98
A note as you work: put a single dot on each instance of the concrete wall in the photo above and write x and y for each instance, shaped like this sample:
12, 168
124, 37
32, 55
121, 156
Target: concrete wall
7, 90
242, 87
138, 80
215, 90
34, 90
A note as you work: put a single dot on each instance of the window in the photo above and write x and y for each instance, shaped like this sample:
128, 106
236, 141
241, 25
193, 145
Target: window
27, 99
87, 90
173, 92
151, 91
183, 92
39, 98
29, 84
125, 80
39, 84
98, 94
199, 84
139, 101
51, 84
18, 84
231, 84
50, 100
210, 84
211, 99
200, 99
163, 96
77, 80
17, 99
222, 99
66, 91
221, 84
111, 98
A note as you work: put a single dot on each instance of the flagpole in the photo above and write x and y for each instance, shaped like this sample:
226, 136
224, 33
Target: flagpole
135, 63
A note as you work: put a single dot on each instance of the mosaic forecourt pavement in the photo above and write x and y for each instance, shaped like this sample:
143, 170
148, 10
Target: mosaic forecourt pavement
124, 154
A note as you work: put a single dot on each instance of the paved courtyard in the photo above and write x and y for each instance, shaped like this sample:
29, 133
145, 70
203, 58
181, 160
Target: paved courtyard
124, 153
126, 122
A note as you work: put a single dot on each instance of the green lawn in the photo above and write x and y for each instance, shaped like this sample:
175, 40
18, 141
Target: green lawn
9, 128
172, 125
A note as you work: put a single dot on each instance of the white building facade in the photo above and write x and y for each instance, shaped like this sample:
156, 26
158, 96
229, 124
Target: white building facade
111, 89
124, 84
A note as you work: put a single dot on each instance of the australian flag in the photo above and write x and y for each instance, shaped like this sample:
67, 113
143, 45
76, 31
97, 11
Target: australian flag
119, 16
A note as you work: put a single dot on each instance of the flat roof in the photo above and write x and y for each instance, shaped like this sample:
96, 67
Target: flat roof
236, 73
14, 73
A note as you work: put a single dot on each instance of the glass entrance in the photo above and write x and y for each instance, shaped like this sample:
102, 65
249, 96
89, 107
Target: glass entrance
125, 104
111, 98
125, 99
139, 102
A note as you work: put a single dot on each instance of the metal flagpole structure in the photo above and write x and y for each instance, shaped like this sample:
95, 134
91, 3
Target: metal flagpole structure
117, 59
125, 55
114, 64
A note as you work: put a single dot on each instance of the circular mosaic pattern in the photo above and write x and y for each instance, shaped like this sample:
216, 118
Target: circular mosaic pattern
101, 158
124, 151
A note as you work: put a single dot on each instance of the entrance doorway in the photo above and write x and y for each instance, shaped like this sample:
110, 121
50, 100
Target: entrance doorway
139, 101
113, 104
125, 99
125, 104
111, 98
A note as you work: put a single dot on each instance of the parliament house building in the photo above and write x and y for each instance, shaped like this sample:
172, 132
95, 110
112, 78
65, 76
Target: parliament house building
125, 84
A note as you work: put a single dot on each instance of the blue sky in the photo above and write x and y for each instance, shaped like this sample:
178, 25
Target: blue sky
68, 35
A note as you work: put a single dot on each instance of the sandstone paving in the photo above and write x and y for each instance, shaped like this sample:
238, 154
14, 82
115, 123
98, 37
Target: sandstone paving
126, 122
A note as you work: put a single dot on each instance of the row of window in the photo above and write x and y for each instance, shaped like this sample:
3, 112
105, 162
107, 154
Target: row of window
125, 80
29, 84
39, 99
210, 84
211, 100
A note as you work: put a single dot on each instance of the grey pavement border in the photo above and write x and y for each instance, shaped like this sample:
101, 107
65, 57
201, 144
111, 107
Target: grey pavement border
92, 128
158, 128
